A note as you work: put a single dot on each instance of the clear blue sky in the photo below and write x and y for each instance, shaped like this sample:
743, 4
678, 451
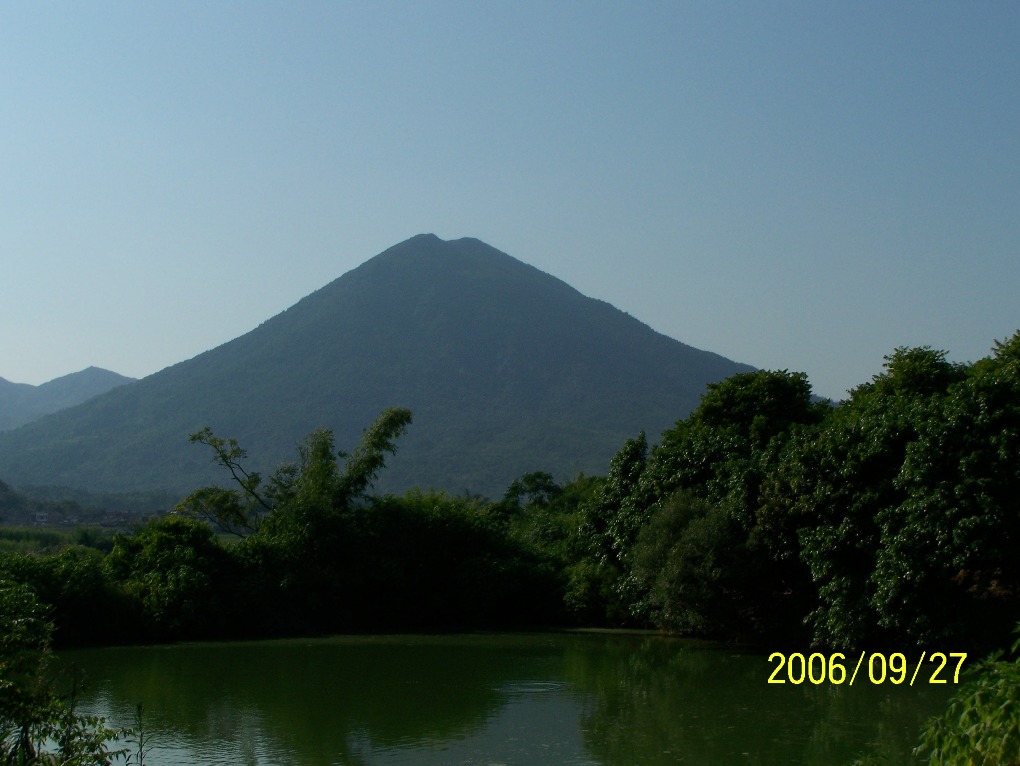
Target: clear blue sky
800, 185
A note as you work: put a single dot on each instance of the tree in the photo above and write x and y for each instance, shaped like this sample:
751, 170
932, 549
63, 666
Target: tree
298, 526
716, 460
905, 504
27, 703
981, 724
841, 477
545, 516
758, 405
536, 488
33, 718
314, 485
913, 372
363, 465
237, 511
947, 568
177, 574
690, 558
609, 524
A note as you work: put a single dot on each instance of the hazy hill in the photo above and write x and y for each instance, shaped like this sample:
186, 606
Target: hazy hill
505, 368
22, 403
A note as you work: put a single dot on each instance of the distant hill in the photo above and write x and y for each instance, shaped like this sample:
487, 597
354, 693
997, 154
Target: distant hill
506, 369
21, 403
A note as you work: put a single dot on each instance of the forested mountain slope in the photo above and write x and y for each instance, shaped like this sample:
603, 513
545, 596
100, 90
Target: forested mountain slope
22, 403
505, 368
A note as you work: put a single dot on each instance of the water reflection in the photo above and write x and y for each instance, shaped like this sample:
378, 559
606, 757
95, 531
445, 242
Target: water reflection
707, 705
550, 698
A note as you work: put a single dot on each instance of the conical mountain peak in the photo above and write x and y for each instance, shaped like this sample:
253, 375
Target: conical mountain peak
505, 368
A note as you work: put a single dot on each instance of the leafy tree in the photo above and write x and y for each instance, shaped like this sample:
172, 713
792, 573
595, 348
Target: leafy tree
716, 460
27, 703
537, 487
545, 516
610, 522
947, 559
36, 725
315, 485
426, 559
88, 608
238, 511
905, 504
981, 724
916, 372
531, 490
843, 477
722, 451
320, 554
178, 575
690, 559
296, 524
544, 519
757, 405
363, 465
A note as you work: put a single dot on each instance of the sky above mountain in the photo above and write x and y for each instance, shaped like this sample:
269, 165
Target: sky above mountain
794, 185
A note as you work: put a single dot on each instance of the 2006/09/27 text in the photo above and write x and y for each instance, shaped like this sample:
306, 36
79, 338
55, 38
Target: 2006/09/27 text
818, 668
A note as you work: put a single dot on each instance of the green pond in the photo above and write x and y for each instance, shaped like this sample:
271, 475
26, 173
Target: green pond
556, 698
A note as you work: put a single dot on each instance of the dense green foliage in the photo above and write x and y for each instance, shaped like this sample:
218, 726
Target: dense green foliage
317, 553
675, 534
914, 506
764, 515
889, 520
39, 726
981, 725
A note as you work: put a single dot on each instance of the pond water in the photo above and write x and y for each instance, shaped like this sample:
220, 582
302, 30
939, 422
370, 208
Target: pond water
557, 698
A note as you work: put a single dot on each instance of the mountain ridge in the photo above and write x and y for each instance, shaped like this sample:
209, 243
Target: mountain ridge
506, 370
21, 403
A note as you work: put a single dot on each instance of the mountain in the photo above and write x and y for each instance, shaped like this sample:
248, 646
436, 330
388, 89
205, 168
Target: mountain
505, 368
21, 403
